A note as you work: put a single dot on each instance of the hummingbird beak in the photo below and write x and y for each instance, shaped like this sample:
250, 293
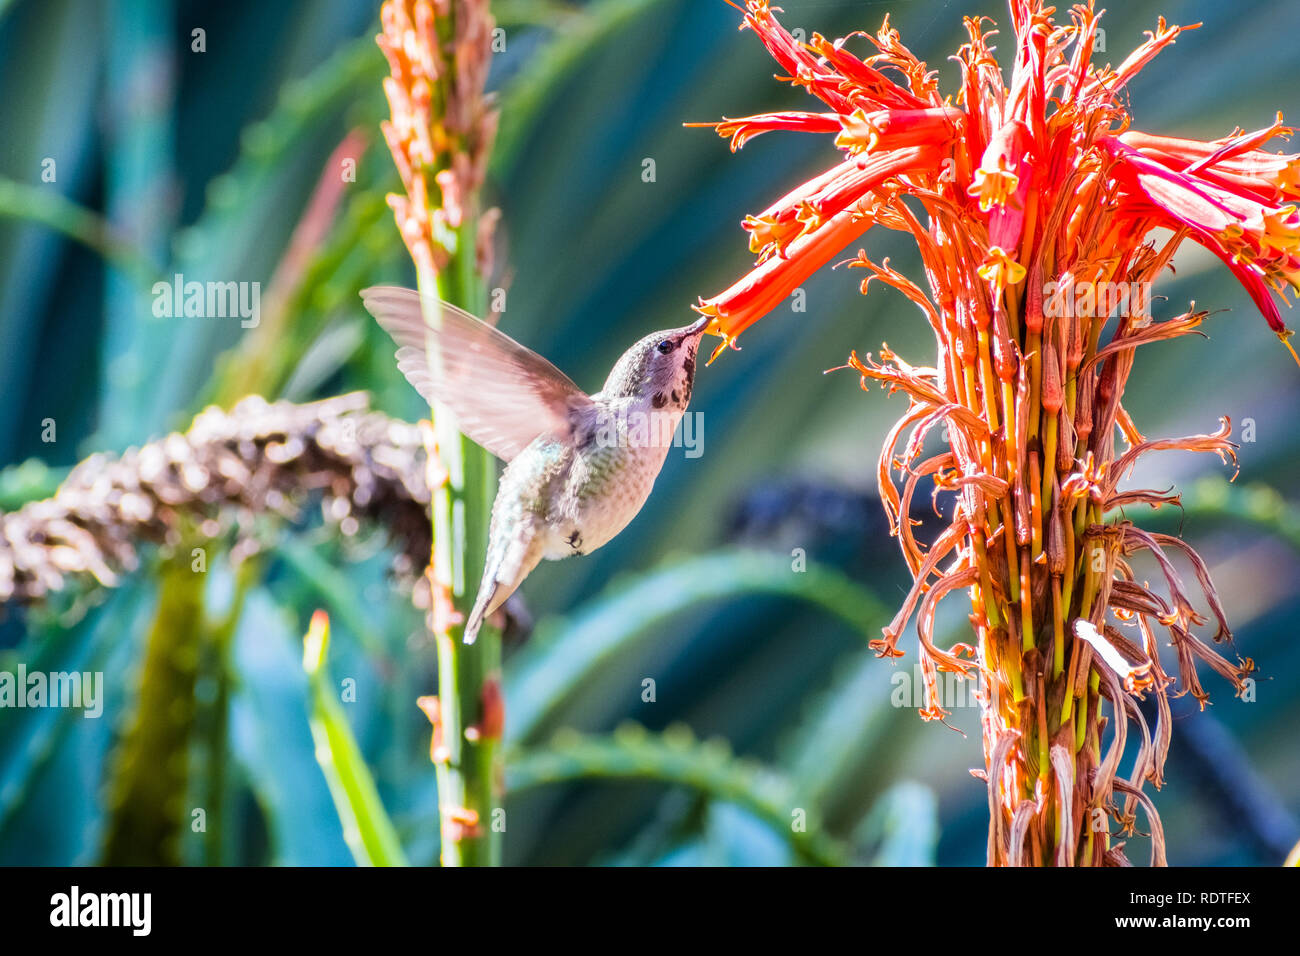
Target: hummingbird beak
699, 327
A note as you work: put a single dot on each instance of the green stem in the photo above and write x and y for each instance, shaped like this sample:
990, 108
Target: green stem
219, 641
150, 777
470, 770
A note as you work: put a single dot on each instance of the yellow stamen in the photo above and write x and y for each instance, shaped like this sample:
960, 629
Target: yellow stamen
1283, 336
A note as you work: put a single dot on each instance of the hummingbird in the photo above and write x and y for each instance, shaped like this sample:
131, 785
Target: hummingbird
578, 467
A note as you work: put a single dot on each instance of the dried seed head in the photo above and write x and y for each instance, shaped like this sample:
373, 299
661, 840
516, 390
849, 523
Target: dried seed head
228, 469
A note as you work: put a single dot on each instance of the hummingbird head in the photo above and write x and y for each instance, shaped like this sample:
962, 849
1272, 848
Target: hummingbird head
660, 366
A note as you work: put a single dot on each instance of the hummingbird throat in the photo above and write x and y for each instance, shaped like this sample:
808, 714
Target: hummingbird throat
634, 425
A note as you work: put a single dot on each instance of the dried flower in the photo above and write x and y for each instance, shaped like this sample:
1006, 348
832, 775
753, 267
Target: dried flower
258, 458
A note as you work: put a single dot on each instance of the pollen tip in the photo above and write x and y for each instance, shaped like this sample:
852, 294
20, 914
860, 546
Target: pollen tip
1283, 336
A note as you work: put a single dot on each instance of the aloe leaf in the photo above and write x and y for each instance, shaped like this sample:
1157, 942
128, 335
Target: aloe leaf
329, 584
280, 767
567, 654
41, 206
140, 143
366, 827
551, 67
29, 737
243, 226
902, 827
826, 749
676, 757
1215, 499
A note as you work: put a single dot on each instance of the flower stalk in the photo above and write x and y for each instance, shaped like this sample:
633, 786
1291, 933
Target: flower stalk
440, 134
1046, 221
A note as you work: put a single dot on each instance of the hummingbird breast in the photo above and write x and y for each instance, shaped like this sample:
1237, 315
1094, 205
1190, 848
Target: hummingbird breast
605, 490
575, 497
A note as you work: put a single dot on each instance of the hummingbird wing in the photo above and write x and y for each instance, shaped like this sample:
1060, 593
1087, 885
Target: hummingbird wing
502, 394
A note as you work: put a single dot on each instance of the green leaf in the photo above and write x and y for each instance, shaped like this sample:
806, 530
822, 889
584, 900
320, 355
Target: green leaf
243, 226
29, 737
902, 827
1215, 499
328, 583
566, 655
677, 757
366, 827
826, 750
555, 64
43, 206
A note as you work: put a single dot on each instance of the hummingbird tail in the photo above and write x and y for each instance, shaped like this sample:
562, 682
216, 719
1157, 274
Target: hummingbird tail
473, 624
482, 607
501, 578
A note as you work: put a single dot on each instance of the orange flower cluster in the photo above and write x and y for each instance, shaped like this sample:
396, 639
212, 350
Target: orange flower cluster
442, 126
1003, 156
1039, 228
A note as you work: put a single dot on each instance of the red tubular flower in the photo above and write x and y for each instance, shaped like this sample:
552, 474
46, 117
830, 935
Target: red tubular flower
1039, 226
760, 290
1002, 183
1235, 211
1230, 195
885, 130
745, 128
801, 232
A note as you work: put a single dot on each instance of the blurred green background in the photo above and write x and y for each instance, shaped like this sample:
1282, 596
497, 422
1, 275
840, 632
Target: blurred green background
203, 163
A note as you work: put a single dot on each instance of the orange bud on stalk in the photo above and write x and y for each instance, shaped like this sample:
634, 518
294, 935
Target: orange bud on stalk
1052, 396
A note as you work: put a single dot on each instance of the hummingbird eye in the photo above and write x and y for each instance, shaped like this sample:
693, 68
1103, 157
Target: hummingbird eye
665, 347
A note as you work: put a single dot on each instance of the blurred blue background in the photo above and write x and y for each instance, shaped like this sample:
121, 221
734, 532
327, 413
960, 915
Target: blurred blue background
202, 163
